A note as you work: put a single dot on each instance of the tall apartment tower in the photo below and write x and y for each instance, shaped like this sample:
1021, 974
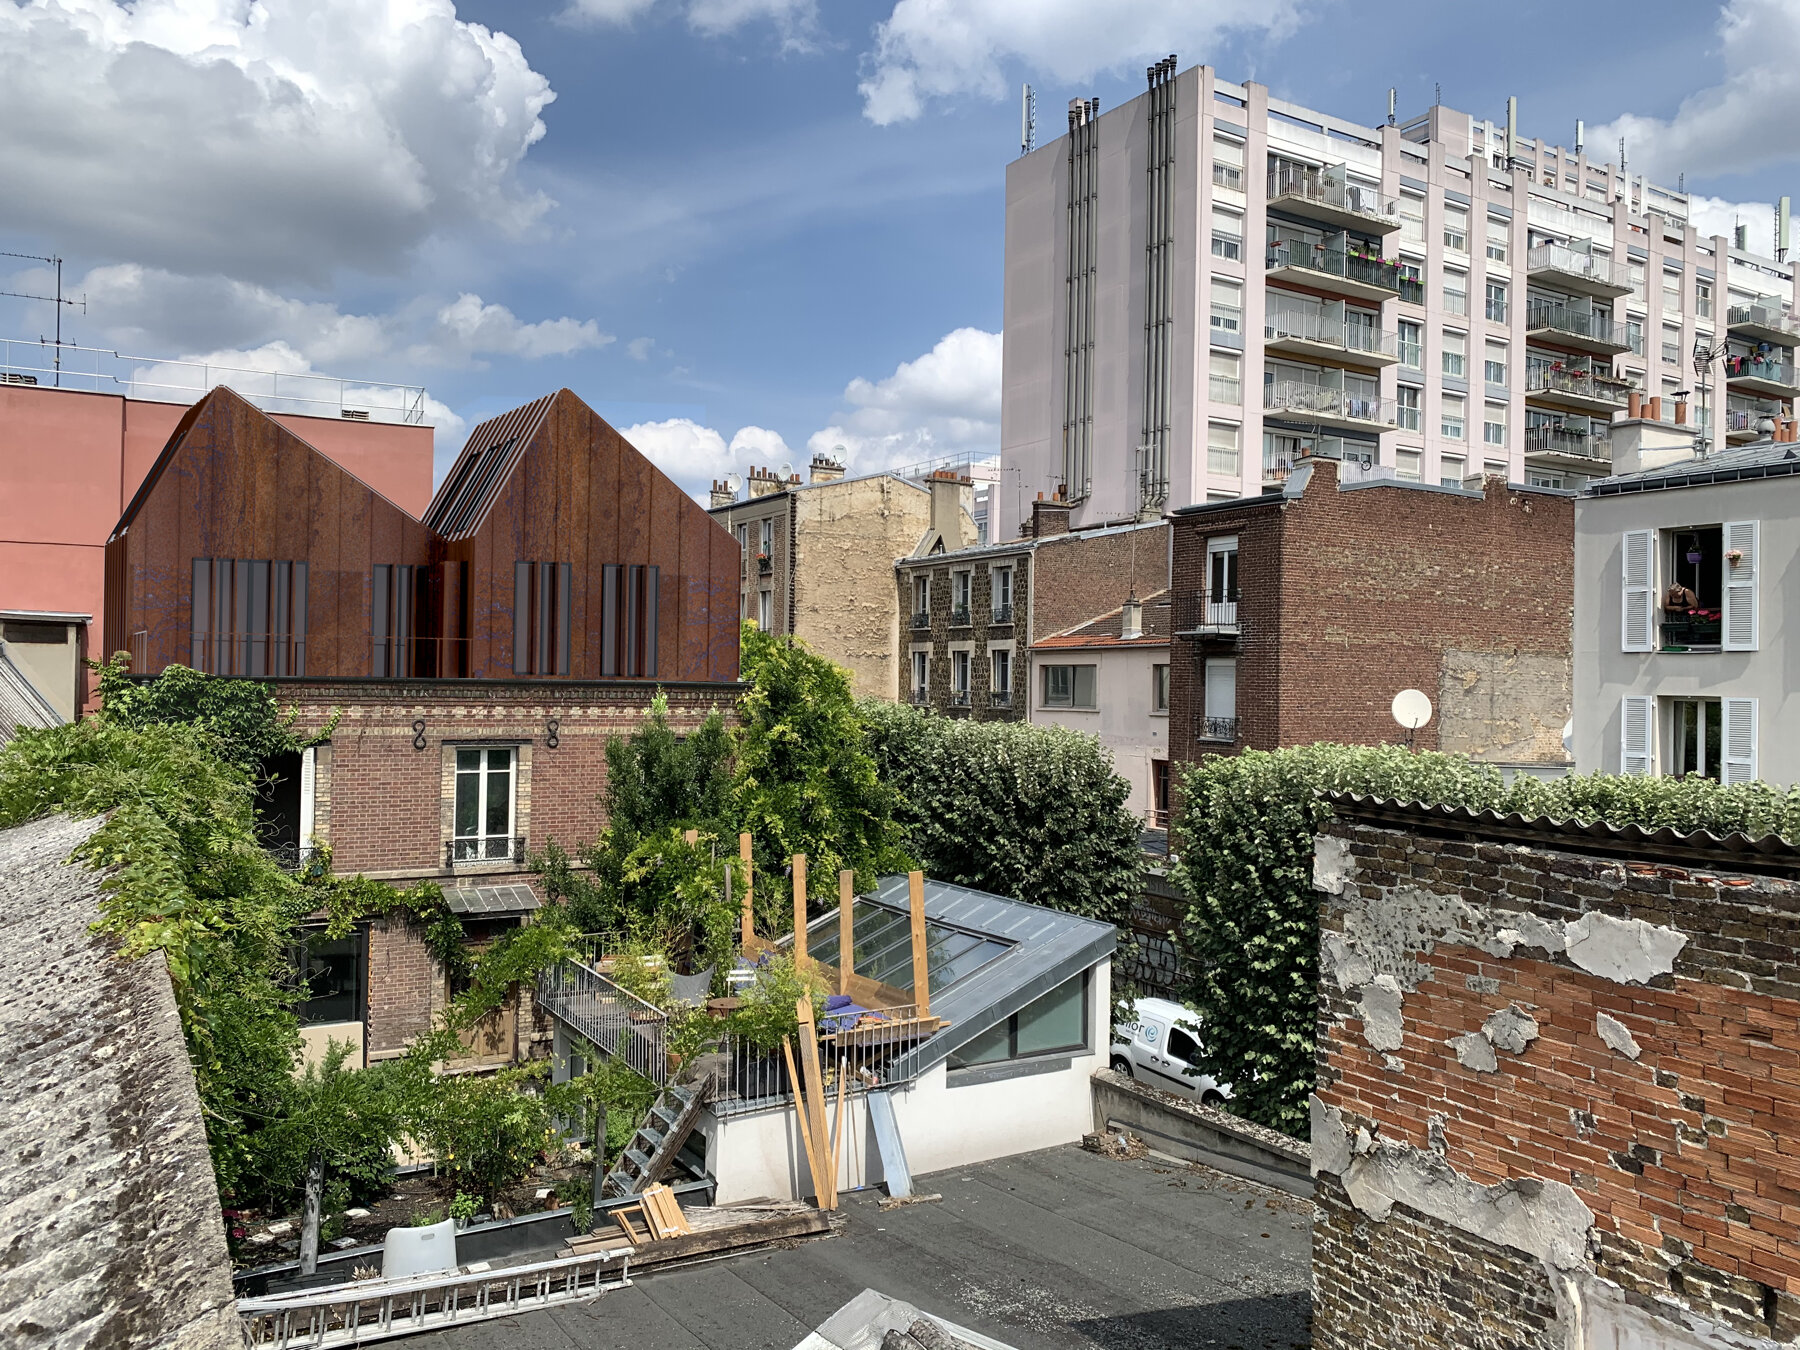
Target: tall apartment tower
1206, 284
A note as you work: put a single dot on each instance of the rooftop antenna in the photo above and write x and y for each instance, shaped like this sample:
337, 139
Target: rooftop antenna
1580, 135
56, 300
1437, 95
1512, 130
1681, 182
1028, 121
1393, 97
1781, 228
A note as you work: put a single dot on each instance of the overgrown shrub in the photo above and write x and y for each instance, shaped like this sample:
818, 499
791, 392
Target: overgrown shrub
1243, 840
1031, 812
486, 1133
770, 1004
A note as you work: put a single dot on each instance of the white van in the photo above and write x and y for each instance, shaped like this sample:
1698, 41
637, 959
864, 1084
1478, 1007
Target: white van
1159, 1048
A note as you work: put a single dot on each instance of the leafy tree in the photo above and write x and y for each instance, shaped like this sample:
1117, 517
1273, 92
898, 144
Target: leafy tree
1031, 812
248, 726
806, 782
1243, 837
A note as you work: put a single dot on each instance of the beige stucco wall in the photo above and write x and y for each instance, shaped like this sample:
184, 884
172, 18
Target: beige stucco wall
846, 538
1504, 707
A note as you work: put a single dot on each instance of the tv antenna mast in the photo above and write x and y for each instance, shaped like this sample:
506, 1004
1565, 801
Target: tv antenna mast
1028, 121
56, 300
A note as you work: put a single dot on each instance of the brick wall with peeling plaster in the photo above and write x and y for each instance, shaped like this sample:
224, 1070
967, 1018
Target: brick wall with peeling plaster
1559, 1098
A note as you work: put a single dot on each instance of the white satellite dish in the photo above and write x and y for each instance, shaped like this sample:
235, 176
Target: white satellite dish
787, 472
1412, 709
734, 481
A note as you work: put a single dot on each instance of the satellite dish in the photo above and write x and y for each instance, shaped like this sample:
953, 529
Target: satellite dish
734, 481
1412, 709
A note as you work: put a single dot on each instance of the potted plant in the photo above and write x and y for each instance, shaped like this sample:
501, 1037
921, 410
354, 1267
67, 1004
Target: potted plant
1734, 556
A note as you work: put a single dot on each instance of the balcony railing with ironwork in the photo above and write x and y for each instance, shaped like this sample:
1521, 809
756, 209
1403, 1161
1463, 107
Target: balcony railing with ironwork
1563, 441
292, 857
1003, 613
1221, 613
1000, 698
1368, 269
959, 698
1587, 384
1577, 323
1310, 185
1219, 729
764, 564
1330, 332
921, 696
484, 848
1573, 262
921, 619
959, 616
1298, 398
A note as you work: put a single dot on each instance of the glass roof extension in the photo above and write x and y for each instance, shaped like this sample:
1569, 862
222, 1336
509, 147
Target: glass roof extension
883, 940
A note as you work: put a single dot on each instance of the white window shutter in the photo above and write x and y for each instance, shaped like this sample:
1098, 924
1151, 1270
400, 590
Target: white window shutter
1637, 720
1738, 739
1637, 628
1740, 626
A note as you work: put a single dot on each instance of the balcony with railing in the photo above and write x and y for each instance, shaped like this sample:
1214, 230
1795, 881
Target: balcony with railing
921, 619
1575, 389
959, 698
1320, 335
1569, 450
1003, 613
1770, 374
1000, 698
1577, 271
1767, 320
1359, 275
1328, 195
1747, 421
477, 848
1324, 406
921, 696
1219, 729
959, 616
1579, 329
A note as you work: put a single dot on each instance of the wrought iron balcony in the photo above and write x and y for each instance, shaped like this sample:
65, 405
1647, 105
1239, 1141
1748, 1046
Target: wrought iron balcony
764, 564
1219, 729
959, 698
484, 848
1003, 613
922, 619
921, 697
1000, 698
1366, 276
959, 616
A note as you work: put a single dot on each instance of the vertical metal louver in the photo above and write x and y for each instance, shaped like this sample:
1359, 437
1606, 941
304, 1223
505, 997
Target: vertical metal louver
1078, 350
1159, 305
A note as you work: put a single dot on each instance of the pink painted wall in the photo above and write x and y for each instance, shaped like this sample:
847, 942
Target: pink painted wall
71, 461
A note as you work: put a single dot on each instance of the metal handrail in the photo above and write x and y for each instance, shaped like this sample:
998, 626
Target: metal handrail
1546, 439
1297, 396
1563, 319
755, 1078
475, 848
1000, 698
1003, 613
1593, 384
1763, 316
1310, 327
1287, 179
611, 1016
1562, 258
1367, 269
160, 380
1219, 729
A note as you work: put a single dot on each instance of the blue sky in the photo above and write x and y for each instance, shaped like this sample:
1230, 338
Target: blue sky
770, 222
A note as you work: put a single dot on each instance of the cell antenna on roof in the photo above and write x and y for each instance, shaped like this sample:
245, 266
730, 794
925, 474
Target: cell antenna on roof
1437, 95
56, 300
1028, 121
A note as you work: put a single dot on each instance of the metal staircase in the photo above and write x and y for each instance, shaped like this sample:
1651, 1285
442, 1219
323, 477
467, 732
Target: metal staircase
659, 1138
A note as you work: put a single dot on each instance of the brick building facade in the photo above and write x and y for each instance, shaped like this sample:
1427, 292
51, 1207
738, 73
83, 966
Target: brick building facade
1556, 1102
1310, 607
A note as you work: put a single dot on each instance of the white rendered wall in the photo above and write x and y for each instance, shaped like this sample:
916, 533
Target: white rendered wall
1125, 722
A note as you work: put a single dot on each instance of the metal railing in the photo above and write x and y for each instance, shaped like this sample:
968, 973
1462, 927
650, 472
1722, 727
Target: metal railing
860, 1047
921, 619
291, 857
764, 564
614, 1019
1749, 416
1218, 728
959, 616
1303, 326
1562, 441
1003, 613
379, 1310
1221, 613
1562, 258
1298, 397
1764, 316
921, 696
959, 698
1753, 367
1000, 698
1579, 323
1365, 268
484, 848
1539, 380
1287, 179
161, 380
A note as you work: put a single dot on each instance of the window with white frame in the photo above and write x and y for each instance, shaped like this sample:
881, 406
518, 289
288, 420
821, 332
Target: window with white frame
1671, 293
1412, 218
1493, 368
1496, 301
962, 586
961, 663
1411, 278
1714, 738
1000, 584
1456, 228
1406, 407
1453, 416
765, 611
1499, 234
1640, 286
1223, 454
1227, 305
1671, 344
1634, 334
765, 537
1225, 383
1227, 233
1451, 470
1411, 349
1222, 580
921, 588
1493, 424
1703, 298
1455, 354
1456, 292
485, 799
1409, 464
1228, 163
1219, 691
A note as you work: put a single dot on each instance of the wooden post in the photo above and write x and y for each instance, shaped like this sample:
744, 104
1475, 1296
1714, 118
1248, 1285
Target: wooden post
815, 1095
749, 922
846, 925
915, 885
800, 1114
800, 911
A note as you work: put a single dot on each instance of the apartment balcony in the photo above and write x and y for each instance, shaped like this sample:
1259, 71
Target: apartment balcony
1319, 337
1317, 405
1576, 272
1555, 448
1219, 729
1576, 390
1762, 375
1560, 326
1332, 201
959, 617
921, 620
959, 698
1763, 323
1356, 275
1003, 614
1000, 698
1743, 423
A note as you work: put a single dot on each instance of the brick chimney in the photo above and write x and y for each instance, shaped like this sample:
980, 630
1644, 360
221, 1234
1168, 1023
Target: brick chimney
946, 486
763, 482
722, 494
1049, 517
824, 469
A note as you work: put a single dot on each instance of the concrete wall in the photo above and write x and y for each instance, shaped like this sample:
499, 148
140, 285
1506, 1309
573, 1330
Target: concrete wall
1604, 674
946, 1120
1125, 723
1553, 1094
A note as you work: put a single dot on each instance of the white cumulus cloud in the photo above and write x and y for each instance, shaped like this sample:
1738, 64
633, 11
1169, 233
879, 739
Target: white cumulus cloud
793, 19
1741, 124
694, 455
270, 140
930, 49
1714, 215
945, 402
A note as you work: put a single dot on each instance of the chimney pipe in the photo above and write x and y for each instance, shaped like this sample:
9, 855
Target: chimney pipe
1131, 620
1634, 404
1655, 413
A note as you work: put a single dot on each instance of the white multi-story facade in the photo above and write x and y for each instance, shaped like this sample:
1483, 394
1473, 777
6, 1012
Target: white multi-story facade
1205, 283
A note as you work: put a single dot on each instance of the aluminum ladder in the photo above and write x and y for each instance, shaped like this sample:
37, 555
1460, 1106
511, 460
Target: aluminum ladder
659, 1138
379, 1310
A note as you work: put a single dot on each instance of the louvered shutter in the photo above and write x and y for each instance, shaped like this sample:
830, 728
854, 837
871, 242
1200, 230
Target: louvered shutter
1637, 628
1738, 740
1740, 586
1637, 718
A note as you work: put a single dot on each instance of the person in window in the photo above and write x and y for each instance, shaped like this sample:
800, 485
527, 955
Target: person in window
1680, 600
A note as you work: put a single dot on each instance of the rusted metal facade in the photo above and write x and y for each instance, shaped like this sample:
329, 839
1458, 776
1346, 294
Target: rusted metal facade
554, 550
